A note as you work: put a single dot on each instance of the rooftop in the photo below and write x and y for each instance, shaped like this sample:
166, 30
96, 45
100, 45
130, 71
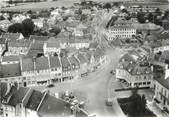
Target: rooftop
19, 43
73, 60
65, 62
18, 96
54, 61
3, 87
39, 38
34, 100
42, 63
11, 58
163, 82
10, 70
53, 107
2, 40
82, 58
27, 64
36, 48
11, 36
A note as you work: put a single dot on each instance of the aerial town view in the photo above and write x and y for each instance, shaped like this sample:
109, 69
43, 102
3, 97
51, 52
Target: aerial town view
84, 58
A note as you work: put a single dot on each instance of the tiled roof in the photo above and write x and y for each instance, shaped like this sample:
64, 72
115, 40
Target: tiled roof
88, 55
73, 60
18, 96
81, 58
134, 69
79, 40
35, 48
53, 42
65, 62
34, 100
165, 55
2, 40
53, 107
63, 35
98, 53
164, 35
12, 90
11, 36
42, 63
5, 22
39, 38
10, 58
10, 70
54, 62
81, 113
19, 43
3, 87
163, 82
53, 45
93, 45
27, 64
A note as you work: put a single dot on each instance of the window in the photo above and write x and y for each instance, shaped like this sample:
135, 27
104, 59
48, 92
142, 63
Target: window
161, 90
140, 83
165, 93
144, 83
144, 77
148, 83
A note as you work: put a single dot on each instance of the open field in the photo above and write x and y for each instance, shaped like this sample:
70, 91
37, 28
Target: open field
47, 5
67, 3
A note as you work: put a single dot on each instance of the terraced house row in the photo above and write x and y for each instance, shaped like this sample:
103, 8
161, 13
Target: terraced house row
30, 66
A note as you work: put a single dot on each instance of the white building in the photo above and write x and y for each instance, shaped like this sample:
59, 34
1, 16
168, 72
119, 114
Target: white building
135, 70
162, 92
121, 29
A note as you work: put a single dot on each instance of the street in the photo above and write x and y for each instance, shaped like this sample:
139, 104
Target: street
97, 86
94, 88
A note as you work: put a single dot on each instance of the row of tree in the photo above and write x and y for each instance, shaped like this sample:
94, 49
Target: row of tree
137, 107
26, 27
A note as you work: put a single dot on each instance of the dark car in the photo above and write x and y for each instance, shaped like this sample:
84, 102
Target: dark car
112, 72
50, 85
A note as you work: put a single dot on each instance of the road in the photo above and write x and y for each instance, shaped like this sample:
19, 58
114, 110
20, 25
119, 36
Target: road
98, 86
95, 87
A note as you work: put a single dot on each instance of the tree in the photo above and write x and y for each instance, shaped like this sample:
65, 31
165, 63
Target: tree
16, 28
124, 11
128, 17
107, 6
83, 17
158, 12
2, 18
44, 13
137, 106
151, 17
141, 17
55, 30
166, 15
143, 102
29, 12
28, 26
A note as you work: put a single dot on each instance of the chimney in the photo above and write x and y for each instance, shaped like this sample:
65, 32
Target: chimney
34, 62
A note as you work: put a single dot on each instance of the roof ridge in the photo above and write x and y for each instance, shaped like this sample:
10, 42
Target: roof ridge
41, 101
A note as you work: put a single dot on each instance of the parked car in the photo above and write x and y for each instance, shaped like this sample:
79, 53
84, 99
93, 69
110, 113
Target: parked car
50, 85
109, 102
113, 72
